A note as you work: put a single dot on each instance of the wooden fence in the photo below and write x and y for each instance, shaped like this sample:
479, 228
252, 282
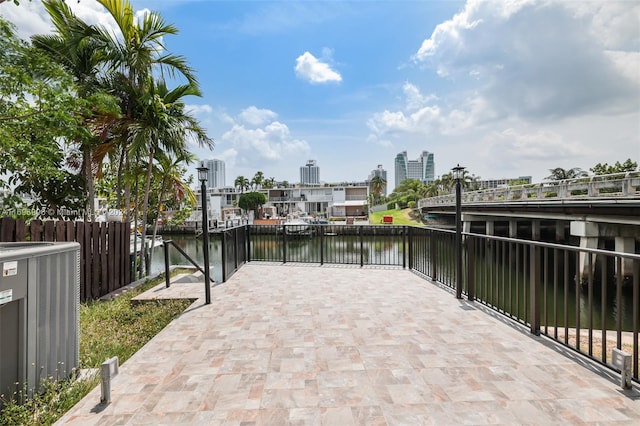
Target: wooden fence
105, 264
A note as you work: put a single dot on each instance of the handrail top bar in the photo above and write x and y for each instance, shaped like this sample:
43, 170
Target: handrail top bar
555, 245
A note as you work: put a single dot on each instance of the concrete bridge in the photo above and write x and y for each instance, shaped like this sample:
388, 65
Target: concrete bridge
592, 212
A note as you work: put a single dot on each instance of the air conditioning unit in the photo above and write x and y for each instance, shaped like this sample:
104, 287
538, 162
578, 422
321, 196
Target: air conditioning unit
39, 314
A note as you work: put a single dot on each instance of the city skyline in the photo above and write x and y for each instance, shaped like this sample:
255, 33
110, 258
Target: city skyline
504, 88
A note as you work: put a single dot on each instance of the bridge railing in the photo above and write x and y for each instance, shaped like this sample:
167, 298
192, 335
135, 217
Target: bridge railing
617, 185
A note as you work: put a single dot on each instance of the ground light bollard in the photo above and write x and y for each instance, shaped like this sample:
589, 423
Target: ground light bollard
108, 371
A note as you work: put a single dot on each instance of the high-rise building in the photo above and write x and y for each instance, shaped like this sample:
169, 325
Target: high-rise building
216, 174
310, 173
422, 169
379, 172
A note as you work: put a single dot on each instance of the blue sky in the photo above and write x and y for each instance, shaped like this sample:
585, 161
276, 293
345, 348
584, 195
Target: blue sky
506, 88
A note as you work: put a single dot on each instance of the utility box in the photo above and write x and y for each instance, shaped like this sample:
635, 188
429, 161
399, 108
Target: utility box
39, 314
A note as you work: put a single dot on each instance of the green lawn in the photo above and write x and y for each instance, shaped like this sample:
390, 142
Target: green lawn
400, 217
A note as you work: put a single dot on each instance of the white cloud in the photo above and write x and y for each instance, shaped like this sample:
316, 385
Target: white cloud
414, 98
199, 109
526, 86
259, 142
32, 18
513, 145
256, 117
309, 68
542, 59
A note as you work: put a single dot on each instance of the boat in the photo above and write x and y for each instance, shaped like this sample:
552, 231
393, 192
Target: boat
150, 241
296, 226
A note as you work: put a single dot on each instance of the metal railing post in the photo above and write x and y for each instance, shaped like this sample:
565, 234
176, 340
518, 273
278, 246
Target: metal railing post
471, 264
321, 231
433, 256
361, 247
410, 248
224, 255
235, 247
248, 243
284, 243
404, 247
458, 240
165, 246
534, 283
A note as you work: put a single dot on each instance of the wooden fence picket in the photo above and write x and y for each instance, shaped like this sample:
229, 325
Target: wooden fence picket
104, 249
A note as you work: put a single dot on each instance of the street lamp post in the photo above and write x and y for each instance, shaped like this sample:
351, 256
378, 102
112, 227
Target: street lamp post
457, 175
202, 176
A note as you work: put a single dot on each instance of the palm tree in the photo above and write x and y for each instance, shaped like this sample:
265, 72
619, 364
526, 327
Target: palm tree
258, 180
269, 183
561, 174
169, 170
241, 183
377, 186
447, 183
130, 55
74, 46
163, 125
431, 190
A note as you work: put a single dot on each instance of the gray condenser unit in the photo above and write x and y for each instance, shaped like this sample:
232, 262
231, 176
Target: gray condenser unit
39, 314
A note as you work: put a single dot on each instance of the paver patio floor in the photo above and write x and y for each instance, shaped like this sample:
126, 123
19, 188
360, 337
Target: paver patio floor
311, 345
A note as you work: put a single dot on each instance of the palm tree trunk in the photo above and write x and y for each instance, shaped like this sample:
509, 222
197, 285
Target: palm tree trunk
145, 207
119, 179
155, 224
88, 175
135, 235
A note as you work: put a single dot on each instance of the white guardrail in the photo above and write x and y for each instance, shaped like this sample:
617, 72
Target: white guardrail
618, 185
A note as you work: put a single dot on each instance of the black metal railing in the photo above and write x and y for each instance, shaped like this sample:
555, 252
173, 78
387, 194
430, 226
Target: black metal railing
432, 254
334, 244
235, 243
166, 244
585, 299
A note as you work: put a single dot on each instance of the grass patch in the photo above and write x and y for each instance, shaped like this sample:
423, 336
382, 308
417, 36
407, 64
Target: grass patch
400, 217
107, 329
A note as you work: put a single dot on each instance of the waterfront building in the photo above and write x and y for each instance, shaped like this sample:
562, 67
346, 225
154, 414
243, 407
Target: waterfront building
216, 174
331, 200
380, 171
310, 173
422, 169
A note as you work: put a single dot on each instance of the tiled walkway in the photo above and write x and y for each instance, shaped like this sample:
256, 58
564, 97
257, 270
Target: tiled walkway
310, 345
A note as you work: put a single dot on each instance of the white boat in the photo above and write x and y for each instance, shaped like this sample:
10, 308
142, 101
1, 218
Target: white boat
149, 240
296, 226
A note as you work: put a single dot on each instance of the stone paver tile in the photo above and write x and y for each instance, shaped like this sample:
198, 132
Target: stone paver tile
309, 345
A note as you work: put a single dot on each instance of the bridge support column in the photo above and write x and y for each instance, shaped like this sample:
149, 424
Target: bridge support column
625, 245
535, 230
489, 227
466, 225
513, 228
589, 236
559, 231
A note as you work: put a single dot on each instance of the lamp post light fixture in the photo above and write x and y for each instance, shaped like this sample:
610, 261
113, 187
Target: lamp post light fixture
202, 177
458, 172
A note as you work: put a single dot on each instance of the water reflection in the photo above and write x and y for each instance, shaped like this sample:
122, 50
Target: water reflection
193, 247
